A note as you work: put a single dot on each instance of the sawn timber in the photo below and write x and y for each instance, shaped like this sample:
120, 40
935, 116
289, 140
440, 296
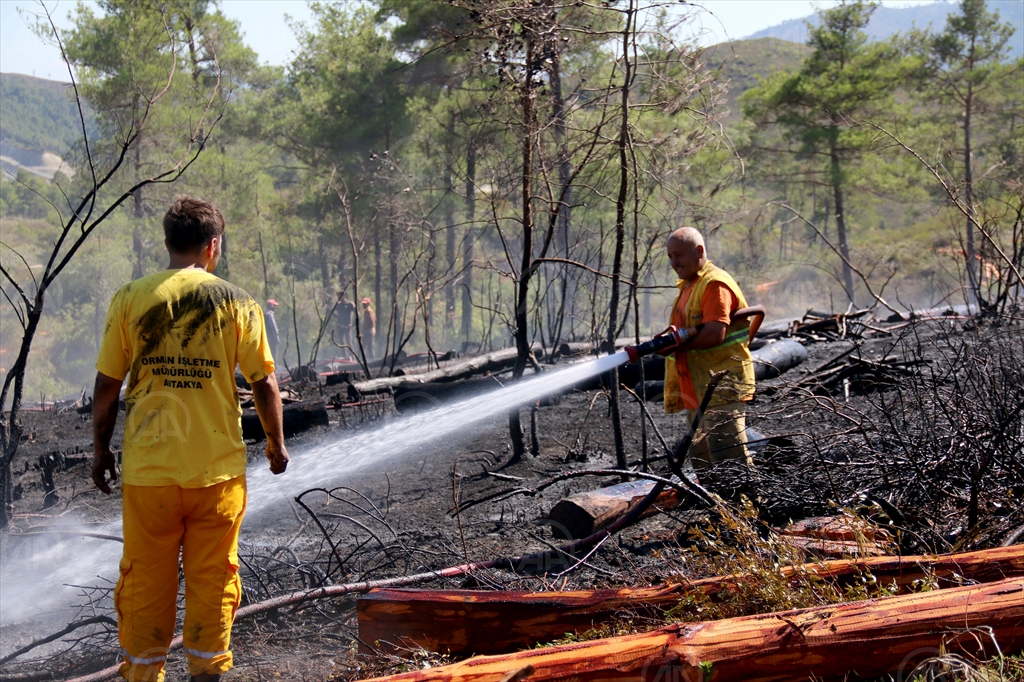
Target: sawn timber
869, 638
464, 622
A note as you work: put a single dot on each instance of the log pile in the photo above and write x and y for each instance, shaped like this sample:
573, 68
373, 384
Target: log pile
816, 326
488, 622
869, 638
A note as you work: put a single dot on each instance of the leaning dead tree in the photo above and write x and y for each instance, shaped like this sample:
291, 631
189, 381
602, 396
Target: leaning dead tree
104, 192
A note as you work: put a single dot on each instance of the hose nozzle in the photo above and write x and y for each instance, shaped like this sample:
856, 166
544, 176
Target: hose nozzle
669, 338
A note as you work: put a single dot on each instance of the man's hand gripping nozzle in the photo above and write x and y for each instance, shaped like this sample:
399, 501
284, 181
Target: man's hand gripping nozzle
670, 338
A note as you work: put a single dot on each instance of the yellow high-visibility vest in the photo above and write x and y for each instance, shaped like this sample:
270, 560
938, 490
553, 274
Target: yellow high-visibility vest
732, 355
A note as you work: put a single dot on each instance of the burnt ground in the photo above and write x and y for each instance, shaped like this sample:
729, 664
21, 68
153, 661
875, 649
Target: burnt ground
396, 519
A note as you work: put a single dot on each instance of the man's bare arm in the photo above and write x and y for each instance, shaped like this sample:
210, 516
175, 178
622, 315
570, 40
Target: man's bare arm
267, 399
707, 335
105, 396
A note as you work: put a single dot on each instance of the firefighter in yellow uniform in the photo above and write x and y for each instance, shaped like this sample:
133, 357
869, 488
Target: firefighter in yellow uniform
707, 298
178, 335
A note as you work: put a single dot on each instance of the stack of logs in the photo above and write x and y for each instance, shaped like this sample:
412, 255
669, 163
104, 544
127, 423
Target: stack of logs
875, 637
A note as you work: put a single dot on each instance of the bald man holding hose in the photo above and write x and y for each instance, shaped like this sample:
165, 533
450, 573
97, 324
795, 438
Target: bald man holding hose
707, 298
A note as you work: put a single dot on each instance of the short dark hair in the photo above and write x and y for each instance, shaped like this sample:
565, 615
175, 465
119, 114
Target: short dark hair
191, 223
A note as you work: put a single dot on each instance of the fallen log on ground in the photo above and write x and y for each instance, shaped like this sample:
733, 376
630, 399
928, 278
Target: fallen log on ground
497, 361
298, 417
870, 638
770, 360
831, 537
773, 359
486, 622
587, 512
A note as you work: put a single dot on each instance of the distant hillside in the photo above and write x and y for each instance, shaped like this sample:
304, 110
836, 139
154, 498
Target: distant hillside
889, 20
741, 62
37, 117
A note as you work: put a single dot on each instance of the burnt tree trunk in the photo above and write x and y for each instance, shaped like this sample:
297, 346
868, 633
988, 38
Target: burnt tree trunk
523, 289
837, 192
467, 245
620, 236
449, 228
568, 278
393, 325
14, 386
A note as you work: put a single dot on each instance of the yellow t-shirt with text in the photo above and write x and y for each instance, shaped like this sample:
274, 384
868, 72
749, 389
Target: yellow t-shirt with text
178, 335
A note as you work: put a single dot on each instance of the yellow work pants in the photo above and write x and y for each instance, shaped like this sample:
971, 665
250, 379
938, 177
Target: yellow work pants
202, 523
721, 436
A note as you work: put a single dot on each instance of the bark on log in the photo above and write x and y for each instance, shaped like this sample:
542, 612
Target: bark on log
298, 417
773, 359
492, 362
830, 537
587, 512
487, 622
871, 638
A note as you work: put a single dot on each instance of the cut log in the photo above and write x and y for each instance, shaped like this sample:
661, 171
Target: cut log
868, 638
583, 514
836, 528
824, 548
773, 359
831, 537
487, 622
298, 417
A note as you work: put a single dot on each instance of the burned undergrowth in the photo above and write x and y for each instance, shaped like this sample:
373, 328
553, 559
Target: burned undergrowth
918, 446
935, 453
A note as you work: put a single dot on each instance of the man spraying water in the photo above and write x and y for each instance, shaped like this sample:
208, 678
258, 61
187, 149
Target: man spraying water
178, 335
710, 334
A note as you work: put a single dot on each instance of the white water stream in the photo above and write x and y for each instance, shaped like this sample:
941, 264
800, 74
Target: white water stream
38, 574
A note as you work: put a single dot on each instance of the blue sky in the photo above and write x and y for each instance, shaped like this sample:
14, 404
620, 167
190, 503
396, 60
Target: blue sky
263, 23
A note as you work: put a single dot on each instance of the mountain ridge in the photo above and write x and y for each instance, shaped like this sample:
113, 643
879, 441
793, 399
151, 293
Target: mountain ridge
886, 21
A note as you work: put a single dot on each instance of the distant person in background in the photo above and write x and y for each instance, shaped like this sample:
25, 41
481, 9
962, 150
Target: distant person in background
369, 327
273, 337
345, 309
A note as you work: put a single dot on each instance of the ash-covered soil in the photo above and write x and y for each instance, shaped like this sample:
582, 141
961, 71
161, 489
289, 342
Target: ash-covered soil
396, 518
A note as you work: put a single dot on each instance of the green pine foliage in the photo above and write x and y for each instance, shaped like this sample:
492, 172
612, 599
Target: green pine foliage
386, 160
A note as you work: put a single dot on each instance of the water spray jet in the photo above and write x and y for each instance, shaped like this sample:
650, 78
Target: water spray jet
27, 591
